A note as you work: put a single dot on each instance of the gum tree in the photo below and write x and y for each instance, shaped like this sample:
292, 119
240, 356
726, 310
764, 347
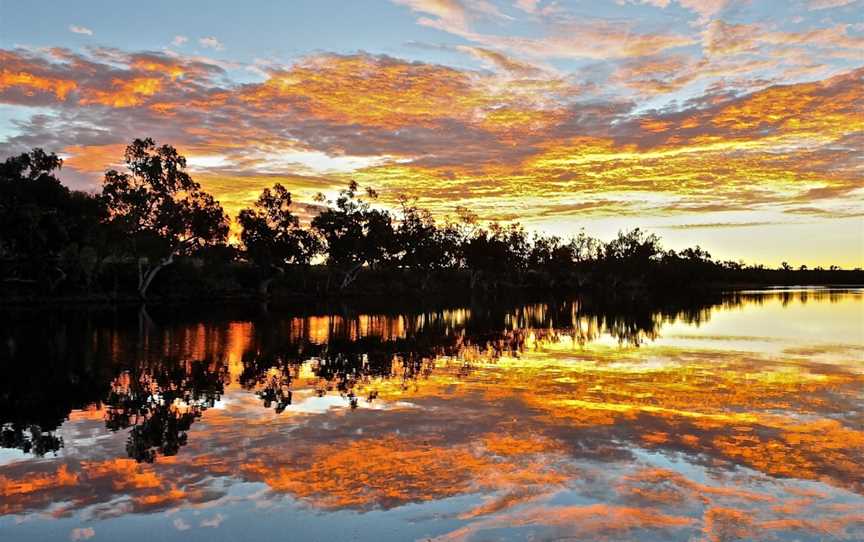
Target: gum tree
356, 234
48, 233
162, 212
273, 237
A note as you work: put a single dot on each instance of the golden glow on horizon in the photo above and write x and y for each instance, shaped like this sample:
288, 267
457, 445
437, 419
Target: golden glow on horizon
510, 143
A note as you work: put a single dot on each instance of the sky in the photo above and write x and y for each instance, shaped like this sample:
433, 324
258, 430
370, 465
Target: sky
737, 125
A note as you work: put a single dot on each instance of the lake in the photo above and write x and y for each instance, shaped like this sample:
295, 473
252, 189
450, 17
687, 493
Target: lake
736, 417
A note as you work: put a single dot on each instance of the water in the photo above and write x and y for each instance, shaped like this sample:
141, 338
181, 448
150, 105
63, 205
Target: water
735, 418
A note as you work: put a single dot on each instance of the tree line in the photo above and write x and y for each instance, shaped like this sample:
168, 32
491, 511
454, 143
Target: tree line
154, 217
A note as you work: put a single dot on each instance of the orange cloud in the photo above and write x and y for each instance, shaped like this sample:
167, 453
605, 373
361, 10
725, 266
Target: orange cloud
520, 141
20, 83
367, 91
123, 93
592, 521
32, 83
62, 477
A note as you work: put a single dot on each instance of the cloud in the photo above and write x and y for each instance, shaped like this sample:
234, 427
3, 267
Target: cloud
80, 30
528, 6
181, 525
179, 40
504, 63
828, 4
211, 42
565, 35
213, 522
826, 213
594, 39
713, 225
82, 533
577, 521
706, 9
800, 49
516, 140
452, 15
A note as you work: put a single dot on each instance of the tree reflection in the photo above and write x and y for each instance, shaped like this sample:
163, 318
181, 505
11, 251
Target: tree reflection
271, 375
155, 381
160, 403
29, 439
49, 369
345, 351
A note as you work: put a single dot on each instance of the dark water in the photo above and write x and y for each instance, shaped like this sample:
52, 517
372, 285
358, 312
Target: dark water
734, 418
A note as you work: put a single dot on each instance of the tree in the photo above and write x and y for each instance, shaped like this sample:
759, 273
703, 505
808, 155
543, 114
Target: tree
272, 236
554, 258
424, 247
160, 209
356, 234
499, 249
47, 232
634, 246
586, 248
160, 401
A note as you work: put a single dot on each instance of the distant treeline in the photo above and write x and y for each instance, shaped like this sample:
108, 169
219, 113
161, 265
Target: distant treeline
153, 232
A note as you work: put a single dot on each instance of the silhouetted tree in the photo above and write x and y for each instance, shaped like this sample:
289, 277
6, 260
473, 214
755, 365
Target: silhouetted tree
634, 246
154, 212
161, 210
630, 256
498, 251
47, 232
423, 246
272, 236
356, 234
553, 258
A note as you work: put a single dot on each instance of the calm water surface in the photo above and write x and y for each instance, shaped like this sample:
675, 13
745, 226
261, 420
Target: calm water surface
738, 418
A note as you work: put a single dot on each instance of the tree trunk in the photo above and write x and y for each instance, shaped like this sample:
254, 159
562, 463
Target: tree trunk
145, 279
144, 322
52, 284
475, 279
264, 285
351, 276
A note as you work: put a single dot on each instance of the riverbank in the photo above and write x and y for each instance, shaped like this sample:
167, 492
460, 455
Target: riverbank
314, 287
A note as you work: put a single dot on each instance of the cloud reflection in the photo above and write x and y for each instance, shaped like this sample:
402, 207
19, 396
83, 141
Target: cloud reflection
566, 420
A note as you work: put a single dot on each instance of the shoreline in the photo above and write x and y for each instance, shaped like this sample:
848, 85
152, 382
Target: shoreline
414, 297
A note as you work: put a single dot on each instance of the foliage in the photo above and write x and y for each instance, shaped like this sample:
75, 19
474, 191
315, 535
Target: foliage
160, 209
272, 237
271, 233
47, 232
356, 233
55, 241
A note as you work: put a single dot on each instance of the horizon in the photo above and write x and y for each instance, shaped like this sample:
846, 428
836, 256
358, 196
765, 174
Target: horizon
732, 125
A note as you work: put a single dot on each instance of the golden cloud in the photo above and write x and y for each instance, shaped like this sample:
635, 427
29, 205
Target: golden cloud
516, 142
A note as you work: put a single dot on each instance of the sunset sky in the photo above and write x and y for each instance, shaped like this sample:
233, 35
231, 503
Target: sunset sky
734, 124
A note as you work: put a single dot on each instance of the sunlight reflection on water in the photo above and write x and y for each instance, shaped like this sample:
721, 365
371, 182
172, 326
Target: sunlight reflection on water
739, 419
